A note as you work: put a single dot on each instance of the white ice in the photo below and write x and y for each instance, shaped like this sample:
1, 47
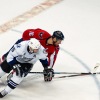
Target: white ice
79, 20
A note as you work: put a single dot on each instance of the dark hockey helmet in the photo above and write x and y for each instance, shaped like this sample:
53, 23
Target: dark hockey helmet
58, 34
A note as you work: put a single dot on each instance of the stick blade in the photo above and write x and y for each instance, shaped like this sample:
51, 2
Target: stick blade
95, 68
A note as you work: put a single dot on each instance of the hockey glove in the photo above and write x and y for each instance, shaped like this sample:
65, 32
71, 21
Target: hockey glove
48, 74
18, 69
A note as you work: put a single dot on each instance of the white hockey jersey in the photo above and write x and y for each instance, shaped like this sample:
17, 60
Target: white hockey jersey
21, 54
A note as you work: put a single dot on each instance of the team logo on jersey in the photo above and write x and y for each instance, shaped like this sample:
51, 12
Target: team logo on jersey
25, 58
41, 34
31, 33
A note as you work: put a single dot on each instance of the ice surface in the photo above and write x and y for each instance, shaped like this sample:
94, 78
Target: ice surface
79, 20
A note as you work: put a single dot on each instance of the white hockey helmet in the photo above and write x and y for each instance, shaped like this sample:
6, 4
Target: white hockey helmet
34, 43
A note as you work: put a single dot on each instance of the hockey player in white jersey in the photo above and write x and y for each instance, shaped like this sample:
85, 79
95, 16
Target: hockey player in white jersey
21, 59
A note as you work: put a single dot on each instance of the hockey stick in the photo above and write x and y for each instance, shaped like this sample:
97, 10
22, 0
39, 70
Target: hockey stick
71, 74
79, 73
74, 74
93, 72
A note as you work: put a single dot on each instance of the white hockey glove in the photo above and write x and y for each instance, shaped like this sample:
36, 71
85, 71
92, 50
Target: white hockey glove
18, 69
48, 74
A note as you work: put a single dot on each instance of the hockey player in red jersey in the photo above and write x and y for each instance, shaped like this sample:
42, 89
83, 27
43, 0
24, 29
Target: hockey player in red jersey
49, 42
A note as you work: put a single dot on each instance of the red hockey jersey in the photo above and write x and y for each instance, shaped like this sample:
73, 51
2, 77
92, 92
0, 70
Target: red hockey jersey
42, 36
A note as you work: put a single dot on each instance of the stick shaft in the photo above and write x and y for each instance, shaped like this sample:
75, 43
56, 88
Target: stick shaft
66, 73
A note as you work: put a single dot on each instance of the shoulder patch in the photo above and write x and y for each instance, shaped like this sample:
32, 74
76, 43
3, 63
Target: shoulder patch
41, 35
